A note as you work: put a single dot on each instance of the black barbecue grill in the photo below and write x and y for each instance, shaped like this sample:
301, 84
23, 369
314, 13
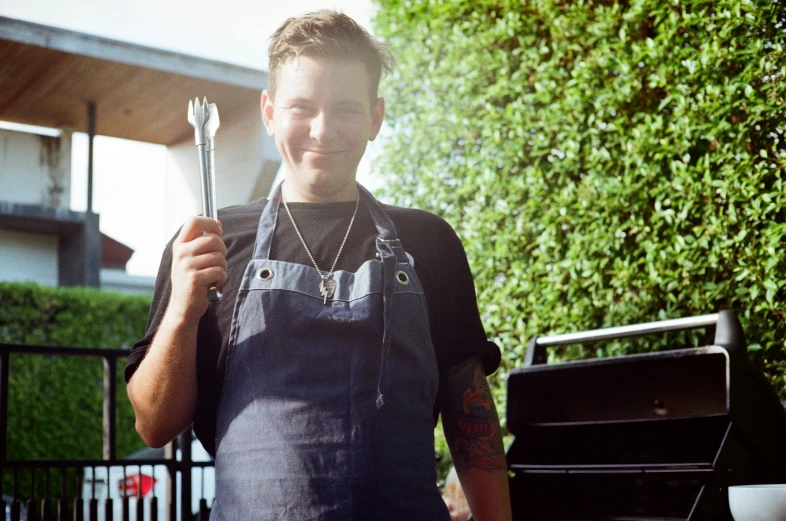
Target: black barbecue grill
657, 436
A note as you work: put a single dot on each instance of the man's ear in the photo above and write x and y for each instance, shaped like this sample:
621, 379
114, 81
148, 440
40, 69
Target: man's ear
266, 103
377, 117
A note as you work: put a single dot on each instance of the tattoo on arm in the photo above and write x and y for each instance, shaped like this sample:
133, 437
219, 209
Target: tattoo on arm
470, 419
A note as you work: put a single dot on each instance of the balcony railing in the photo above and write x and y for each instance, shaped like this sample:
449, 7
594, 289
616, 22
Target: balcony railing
84, 485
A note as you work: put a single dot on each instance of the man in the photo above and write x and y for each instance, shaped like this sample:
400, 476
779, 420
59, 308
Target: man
345, 326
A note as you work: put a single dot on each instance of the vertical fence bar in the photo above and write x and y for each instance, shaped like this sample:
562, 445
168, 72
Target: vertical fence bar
186, 467
153, 499
171, 485
45, 503
46, 510
79, 509
124, 488
30, 505
110, 395
79, 502
93, 505
126, 508
15, 495
140, 495
109, 506
139, 491
62, 503
109, 509
31, 500
62, 509
140, 509
4, 360
204, 513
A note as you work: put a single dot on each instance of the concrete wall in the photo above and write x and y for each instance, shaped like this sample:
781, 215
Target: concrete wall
121, 282
246, 162
35, 169
30, 257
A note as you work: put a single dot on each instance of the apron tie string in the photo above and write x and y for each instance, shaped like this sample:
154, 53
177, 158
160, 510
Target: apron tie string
389, 252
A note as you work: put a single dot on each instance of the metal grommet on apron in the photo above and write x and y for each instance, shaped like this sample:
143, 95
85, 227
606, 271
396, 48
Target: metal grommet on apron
326, 411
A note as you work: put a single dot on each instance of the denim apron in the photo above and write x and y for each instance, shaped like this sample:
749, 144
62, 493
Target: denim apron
326, 411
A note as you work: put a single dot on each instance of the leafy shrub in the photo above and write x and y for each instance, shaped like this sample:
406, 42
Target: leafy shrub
605, 162
55, 403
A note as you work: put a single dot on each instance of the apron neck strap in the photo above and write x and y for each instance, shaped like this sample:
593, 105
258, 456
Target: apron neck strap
387, 231
267, 225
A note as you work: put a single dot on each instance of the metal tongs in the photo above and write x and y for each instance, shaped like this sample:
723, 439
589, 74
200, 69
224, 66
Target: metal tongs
204, 119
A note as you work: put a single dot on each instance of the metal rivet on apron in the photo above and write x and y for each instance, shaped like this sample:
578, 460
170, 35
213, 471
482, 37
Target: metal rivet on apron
265, 274
402, 277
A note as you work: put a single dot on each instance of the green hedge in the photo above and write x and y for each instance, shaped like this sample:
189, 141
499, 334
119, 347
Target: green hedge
55, 403
605, 162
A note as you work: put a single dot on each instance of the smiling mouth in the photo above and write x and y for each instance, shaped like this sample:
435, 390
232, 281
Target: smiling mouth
323, 152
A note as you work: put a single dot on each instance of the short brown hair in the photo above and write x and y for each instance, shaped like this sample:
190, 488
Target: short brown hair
328, 34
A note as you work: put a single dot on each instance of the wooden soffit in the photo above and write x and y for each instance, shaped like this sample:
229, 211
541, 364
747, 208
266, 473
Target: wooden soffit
48, 76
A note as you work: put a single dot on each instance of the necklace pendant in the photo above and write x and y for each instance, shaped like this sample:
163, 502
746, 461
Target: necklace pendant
326, 288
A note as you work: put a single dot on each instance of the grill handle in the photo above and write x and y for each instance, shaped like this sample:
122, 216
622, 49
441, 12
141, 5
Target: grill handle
728, 334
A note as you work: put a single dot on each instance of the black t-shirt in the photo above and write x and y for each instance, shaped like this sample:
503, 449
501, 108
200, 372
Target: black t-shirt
440, 263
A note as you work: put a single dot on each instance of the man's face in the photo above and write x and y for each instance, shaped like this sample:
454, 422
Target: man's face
322, 119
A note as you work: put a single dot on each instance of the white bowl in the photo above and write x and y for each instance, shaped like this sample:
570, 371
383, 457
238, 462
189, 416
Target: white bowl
758, 502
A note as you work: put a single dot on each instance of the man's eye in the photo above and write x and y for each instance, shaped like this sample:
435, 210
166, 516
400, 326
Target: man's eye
301, 109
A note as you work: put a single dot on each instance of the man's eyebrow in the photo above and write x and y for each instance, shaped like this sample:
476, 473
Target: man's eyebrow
300, 100
290, 101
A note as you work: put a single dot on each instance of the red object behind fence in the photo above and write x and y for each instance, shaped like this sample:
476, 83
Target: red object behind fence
136, 485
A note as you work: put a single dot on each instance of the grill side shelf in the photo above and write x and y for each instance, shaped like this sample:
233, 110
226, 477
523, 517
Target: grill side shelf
613, 469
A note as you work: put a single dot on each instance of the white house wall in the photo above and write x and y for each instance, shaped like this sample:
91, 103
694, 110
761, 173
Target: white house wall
35, 169
28, 257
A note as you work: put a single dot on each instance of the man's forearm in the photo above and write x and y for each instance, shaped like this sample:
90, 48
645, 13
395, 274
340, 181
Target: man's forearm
472, 429
163, 389
487, 493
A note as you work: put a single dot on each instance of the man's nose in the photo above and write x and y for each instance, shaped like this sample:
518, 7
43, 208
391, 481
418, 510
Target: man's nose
320, 127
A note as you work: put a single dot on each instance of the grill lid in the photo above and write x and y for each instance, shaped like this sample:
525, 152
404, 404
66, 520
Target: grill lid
648, 436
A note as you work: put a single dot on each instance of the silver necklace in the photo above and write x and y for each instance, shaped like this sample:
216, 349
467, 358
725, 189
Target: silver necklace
327, 286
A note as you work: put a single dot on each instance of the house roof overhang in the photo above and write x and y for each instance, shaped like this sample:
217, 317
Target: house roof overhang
49, 75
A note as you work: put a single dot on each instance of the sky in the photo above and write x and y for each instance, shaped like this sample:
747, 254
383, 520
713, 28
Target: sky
232, 31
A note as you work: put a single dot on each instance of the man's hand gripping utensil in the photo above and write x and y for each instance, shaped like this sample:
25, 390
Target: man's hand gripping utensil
204, 119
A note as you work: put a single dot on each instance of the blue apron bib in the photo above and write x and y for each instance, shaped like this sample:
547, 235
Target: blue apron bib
326, 411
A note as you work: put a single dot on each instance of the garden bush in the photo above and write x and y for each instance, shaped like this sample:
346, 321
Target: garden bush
604, 162
55, 403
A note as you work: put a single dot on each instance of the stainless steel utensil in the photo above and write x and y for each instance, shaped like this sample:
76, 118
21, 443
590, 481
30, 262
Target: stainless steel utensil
204, 119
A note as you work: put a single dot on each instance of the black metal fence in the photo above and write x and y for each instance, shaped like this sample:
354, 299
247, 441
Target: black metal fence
34, 498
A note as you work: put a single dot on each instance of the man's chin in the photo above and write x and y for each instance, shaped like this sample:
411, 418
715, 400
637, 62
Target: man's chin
327, 186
